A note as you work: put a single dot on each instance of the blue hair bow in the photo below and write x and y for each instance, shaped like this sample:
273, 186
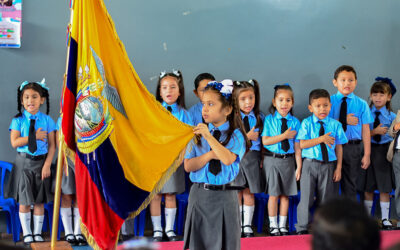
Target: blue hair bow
388, 81
41, 83
279, 85
225, 87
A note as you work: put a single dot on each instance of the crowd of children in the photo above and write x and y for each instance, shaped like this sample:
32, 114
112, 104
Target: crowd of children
344, 147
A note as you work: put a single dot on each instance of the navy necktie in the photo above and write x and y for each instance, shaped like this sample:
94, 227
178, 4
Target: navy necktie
246, 123
285, 143
169, 109
377, 138
343, 113
215, 165
324, 150
32, 147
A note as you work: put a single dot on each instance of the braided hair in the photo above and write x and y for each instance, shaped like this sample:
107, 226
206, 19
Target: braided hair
44, 93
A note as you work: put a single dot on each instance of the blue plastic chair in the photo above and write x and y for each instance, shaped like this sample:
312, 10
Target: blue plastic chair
182, 203
9, 205
261, 201
139, 223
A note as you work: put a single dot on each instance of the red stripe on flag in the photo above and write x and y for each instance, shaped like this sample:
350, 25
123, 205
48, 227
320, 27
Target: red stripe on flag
100, 220
68, 118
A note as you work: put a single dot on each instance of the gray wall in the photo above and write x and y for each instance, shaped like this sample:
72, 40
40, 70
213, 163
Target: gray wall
274, 41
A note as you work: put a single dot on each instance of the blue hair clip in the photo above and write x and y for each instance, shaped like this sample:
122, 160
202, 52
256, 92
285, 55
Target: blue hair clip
23, 85
279, 85
388, 81
225, 87
41, 83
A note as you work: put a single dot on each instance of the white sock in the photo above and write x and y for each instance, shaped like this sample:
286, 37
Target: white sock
248, 217
66, 217
123, 229
170, 214
240, 215
25, 219
368, 206
273, 221
385, 210
77, 224
282, 221
156, 220
37, 226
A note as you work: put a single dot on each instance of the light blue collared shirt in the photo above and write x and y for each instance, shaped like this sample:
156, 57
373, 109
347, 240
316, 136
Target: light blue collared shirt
180, 113
22, 123
255, 145
58, 124
236, 145
272, 127
309, 129
356, 106
386, 118
195, 112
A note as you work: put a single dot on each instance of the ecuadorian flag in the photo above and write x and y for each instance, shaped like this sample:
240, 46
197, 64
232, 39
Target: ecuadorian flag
125, 144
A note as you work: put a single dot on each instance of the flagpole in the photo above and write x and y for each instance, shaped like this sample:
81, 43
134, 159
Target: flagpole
60, 161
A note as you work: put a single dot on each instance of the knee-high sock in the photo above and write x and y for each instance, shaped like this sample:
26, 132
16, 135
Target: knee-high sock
37, 224
368, 205
170, 214
247, 218
25, 219
66, 217
77, 224
385, 209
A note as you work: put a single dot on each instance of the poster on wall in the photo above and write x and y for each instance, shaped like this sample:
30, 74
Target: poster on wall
10, 23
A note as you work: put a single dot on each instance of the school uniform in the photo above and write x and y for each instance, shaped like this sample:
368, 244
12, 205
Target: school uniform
25, 183
212, 220
176, 183
393, 155
379, 175
279, 166
317, 174
353, 150
195, 113
68, 182
250, 172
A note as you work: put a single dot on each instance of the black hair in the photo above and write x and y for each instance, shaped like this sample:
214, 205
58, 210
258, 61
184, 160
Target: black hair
234, 118
342, 223
272, 108
179, 78
383, 88
344, 68
318, 93
36, 87
239, 87
201, 77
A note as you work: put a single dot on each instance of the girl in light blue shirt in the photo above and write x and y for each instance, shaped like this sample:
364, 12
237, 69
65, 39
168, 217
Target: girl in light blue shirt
212, 220
171, 93
32, 134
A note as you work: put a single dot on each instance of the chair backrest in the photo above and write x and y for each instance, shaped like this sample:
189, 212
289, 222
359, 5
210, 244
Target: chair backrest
4, 166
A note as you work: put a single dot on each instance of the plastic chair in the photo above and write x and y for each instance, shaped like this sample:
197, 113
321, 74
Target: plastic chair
182, 203
9, 205
261, 201
140, 223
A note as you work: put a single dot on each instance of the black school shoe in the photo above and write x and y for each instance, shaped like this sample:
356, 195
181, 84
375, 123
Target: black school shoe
80, 239
387, 227
274, 231
70, 238
284, 231
172, 237
157, 238
249, 234
28, 243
